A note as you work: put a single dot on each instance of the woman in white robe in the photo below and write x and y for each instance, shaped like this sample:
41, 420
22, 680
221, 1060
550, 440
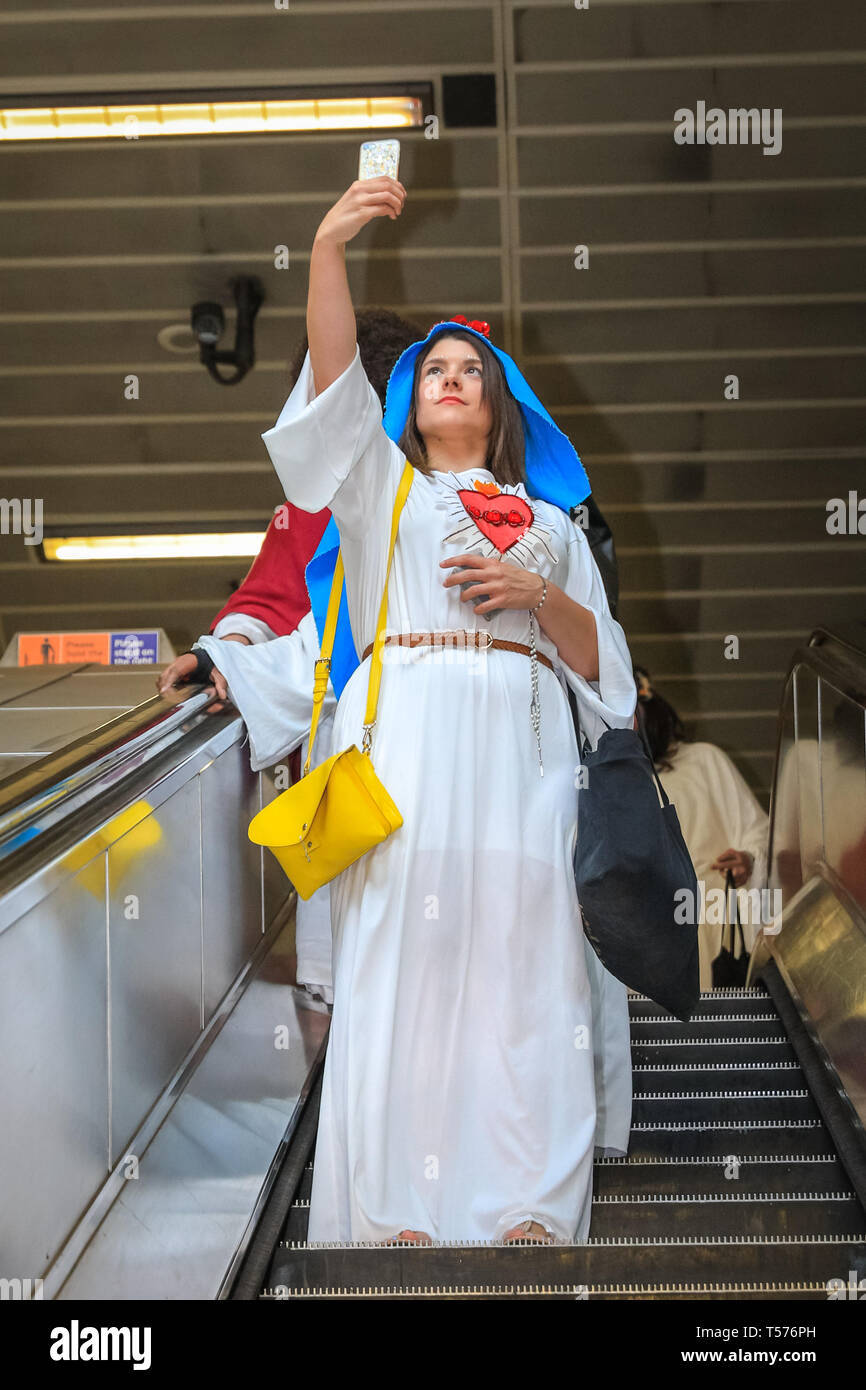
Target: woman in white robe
456, 1099
717, 811
458, 1095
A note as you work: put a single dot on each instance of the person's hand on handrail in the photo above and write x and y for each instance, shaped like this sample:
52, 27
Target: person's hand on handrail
183, 669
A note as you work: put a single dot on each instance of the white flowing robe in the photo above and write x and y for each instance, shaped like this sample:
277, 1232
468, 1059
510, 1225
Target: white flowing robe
458, 1093
272, 689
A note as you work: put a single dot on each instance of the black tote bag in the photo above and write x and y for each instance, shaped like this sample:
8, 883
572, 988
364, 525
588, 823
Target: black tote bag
730, 971
633, 873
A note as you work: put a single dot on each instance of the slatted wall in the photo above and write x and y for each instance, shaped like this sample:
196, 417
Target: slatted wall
704, 262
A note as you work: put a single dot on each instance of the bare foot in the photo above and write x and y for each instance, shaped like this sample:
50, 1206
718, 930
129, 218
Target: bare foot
411, 1238
528, 1230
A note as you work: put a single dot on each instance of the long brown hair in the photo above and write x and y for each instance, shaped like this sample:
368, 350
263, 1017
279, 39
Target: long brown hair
660, 722
506, 446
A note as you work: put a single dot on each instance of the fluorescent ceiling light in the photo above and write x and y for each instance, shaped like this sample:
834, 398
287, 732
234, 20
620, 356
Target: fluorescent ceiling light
136, 119
204, 545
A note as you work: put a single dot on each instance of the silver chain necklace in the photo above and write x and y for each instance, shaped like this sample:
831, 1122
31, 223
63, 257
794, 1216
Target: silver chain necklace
535, 702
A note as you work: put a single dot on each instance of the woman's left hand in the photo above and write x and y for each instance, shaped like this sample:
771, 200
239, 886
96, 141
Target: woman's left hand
498, 582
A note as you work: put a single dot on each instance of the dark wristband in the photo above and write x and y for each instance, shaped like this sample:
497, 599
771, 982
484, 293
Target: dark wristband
201, 674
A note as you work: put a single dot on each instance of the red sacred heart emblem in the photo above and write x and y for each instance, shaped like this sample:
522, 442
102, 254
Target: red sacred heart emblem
502, 519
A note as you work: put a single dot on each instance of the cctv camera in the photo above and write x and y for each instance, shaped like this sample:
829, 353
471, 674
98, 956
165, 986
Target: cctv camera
208, 322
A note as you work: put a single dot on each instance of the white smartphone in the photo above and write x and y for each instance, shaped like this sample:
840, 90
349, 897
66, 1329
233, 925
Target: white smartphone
379, 157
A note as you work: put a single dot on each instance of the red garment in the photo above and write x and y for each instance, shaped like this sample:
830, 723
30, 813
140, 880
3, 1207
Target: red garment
274, 590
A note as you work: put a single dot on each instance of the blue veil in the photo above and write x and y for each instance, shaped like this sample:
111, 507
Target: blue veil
554, 473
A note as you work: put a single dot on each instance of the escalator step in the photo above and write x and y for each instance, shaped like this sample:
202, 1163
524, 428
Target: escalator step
785, 1174
706, 1138
297, 1226
305, 1186
716, 1001
671, 1220
625, 1179
703, 1215
668, 1292
599, 1265
725, 1051
721, 1104
714, 1292
709, 1029
742, 1077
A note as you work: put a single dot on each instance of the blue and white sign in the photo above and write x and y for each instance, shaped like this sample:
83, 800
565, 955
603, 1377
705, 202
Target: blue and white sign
134, 648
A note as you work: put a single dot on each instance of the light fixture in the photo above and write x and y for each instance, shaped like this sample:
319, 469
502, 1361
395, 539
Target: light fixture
104, 118
203, 545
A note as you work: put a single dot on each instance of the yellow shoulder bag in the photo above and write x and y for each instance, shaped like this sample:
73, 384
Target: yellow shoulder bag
340, 810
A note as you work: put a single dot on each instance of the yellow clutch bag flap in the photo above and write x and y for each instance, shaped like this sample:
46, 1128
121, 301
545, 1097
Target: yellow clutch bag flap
338, 811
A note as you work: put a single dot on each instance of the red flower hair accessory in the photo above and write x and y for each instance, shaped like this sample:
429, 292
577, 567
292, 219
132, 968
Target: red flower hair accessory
480, 325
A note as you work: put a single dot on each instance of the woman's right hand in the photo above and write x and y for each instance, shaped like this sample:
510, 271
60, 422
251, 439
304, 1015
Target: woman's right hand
364, 200
178, 673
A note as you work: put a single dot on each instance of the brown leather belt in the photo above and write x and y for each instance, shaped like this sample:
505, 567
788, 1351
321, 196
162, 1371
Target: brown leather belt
481, 640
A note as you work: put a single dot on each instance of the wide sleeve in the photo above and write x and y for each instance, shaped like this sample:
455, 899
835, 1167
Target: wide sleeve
746, 822
331, 450
243, 625
611, 699
271, 684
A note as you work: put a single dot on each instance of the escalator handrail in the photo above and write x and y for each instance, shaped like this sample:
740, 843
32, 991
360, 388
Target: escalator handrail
58, 776
822, 635
836, 674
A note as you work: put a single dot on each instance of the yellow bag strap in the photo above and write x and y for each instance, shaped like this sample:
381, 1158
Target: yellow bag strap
322, 676
320, 682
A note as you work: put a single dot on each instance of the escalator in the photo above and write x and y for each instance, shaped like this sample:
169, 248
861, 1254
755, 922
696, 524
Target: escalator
732, 1189
746, 1172
152, 1033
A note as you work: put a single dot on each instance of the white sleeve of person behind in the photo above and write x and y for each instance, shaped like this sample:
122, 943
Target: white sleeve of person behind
751, 822
243, 625
613, 697
271, 684
717, 811
746, 821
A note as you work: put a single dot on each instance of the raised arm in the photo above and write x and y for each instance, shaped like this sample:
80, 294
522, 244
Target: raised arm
330, 316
